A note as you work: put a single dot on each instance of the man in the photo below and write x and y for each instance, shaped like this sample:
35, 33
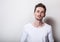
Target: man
38, 31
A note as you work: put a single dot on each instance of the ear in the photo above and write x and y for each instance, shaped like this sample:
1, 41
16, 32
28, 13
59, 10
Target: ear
34, 13
44, 15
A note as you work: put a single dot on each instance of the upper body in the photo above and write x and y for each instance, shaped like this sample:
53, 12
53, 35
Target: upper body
40, 34
38, 31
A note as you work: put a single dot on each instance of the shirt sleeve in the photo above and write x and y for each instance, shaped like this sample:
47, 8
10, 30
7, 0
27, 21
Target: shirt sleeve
50, 36
24, 36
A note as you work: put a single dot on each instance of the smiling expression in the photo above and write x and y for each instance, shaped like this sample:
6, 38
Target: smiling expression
39, 13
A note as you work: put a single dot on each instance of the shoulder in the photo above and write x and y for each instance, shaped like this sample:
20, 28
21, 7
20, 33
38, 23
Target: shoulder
48, 27
27, 26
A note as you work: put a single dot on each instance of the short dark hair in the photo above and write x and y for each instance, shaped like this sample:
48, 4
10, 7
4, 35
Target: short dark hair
40, 5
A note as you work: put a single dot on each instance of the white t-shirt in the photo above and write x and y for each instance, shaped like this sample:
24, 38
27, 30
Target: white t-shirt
33, 34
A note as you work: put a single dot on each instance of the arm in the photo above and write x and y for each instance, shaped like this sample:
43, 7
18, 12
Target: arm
24, 37
50, 36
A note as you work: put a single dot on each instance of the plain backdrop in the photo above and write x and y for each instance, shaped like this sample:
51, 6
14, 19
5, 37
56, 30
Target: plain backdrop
14, 14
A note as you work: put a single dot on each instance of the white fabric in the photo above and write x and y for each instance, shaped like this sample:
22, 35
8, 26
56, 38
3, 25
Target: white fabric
33, 34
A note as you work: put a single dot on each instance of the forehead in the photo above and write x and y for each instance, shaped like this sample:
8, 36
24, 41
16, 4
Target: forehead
40, 8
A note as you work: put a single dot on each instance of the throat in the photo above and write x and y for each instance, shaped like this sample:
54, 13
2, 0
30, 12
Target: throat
38, 24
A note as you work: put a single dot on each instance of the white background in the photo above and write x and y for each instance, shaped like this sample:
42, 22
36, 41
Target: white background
14, 14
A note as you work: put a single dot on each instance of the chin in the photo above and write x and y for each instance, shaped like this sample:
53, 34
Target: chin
38, 19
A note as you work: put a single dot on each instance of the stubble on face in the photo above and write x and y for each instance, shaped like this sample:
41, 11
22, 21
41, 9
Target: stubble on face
39, 13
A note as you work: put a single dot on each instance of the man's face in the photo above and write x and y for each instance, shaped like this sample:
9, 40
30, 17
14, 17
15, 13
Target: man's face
39, 13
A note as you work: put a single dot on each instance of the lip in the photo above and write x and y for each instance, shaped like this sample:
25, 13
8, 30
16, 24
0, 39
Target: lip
39, 16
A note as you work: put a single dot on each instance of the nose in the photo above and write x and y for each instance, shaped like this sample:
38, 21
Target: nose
39, 14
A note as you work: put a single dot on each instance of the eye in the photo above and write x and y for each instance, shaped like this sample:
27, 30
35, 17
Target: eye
42, 11
37, 11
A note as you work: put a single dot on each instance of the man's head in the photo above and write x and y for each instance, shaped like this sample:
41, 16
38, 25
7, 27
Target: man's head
40, 11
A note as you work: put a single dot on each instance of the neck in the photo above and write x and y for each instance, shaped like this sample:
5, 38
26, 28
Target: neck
37, 23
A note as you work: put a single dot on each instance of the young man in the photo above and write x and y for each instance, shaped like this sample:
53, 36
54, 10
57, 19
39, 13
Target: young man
37, 31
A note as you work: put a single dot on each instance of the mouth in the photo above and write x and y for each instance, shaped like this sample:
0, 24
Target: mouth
39, 16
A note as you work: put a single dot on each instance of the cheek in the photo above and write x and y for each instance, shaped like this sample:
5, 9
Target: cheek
43, 15
35, 14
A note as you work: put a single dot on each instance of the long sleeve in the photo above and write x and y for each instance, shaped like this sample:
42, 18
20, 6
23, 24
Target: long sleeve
50, 36
24, 37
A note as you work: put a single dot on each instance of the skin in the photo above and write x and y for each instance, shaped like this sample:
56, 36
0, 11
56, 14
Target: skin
39, 15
